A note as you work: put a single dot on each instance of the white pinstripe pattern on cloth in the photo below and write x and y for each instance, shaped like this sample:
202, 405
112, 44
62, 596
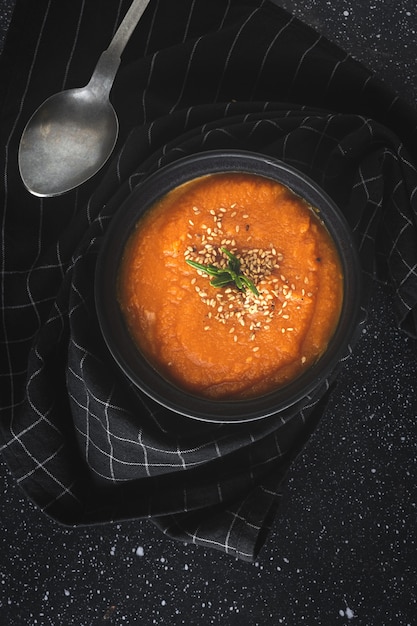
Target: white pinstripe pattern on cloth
78, 438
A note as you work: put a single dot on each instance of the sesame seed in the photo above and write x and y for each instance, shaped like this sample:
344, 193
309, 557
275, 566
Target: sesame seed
257, 264
255, 349
303, 359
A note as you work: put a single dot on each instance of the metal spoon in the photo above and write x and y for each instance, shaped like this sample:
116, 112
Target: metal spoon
72, 134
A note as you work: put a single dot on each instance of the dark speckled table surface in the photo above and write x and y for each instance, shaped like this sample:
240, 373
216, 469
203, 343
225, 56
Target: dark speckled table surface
344, 549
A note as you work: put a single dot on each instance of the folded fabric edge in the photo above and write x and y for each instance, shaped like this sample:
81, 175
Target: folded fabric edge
239, 531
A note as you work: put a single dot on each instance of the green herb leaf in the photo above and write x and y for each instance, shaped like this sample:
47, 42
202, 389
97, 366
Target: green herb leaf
221, 280
234, 263
208, 269
247, 281
225, 276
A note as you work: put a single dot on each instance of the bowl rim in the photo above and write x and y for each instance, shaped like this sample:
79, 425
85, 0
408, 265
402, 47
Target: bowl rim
284, 401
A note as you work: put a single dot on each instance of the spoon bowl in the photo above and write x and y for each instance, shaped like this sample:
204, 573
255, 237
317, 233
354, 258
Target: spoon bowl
72, 134
66, 141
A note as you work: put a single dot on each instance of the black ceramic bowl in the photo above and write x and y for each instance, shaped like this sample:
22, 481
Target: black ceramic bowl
284, 401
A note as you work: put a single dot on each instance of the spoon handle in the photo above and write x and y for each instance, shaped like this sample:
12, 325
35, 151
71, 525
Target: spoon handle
127, 26
109, 61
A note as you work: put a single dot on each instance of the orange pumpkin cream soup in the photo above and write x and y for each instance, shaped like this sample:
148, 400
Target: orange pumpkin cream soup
231, 286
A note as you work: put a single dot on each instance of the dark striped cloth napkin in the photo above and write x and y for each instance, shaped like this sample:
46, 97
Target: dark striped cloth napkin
195, 76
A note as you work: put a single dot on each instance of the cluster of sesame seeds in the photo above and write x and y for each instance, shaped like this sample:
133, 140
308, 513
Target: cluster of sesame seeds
261, 265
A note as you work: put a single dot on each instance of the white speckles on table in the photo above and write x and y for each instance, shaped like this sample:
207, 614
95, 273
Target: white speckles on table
343, 549
6, 10
380, 34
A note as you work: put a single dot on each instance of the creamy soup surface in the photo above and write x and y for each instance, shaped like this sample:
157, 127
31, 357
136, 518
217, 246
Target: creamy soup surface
225, 342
